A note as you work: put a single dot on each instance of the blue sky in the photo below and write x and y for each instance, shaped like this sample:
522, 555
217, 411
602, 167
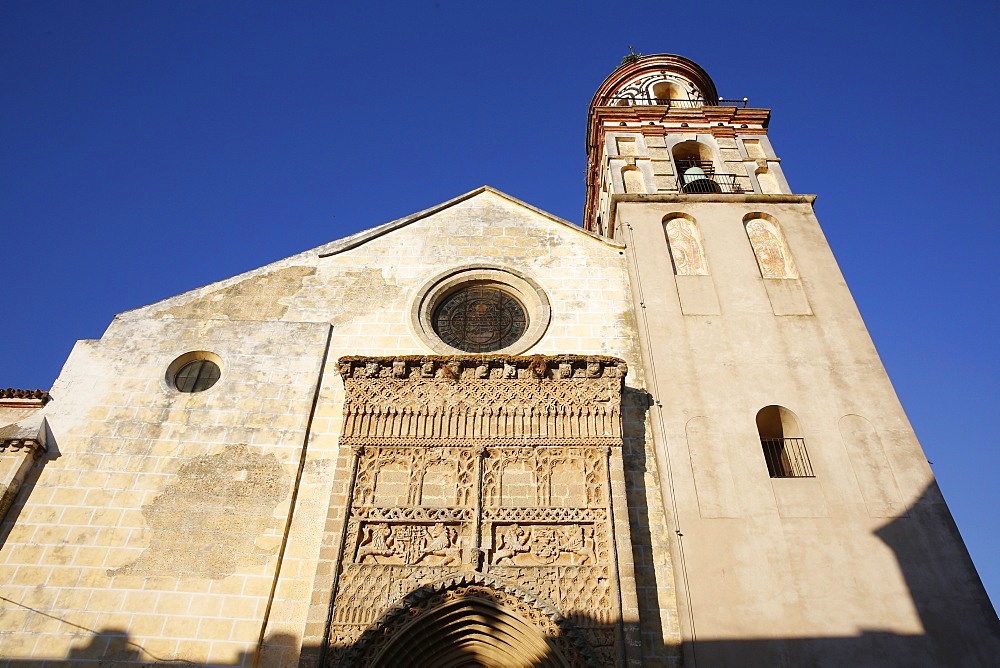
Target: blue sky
150, 148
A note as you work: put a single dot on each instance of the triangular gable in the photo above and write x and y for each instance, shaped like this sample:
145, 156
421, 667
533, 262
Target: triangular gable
300, 261
355, 240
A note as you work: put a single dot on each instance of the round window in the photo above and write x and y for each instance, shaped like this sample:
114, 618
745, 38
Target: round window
477, 309
197, 376
194, 372
480, 318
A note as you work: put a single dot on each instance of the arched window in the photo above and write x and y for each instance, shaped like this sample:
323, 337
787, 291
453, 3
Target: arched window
686, 249
667, 92
784, 447
695, 168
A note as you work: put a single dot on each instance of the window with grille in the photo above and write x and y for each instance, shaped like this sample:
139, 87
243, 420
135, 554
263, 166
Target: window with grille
783, 445
195, 371
197, 376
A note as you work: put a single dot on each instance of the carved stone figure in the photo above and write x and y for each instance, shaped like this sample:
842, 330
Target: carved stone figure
578, 544
375, 543
510, 544
442, 543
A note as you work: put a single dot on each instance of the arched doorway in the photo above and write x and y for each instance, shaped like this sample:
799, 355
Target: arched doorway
470, 620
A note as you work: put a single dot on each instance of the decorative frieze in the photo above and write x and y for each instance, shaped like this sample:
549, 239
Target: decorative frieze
482, 397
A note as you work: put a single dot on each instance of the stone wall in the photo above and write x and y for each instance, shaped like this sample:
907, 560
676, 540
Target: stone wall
188, 526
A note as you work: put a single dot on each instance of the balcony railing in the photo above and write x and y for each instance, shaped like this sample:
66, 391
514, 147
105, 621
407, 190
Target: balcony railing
630, 101
787, 458
710, 183
699, 177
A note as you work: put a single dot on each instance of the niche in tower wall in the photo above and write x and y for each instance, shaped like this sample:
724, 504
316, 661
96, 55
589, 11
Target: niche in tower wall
496, 466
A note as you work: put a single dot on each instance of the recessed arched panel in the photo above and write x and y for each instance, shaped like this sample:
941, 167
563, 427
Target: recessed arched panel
871, 467
438, 488
687, 252
767, 181
568, 484
769, 245
392, 484
519, 485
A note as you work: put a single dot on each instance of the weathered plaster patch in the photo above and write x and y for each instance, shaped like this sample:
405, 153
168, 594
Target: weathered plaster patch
364, 291
208, 520
255, 298
317, 471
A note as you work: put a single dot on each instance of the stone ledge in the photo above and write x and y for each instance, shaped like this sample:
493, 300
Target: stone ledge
481, 367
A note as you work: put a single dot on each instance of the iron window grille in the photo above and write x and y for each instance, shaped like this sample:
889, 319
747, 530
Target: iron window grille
698, 176
197, 376
787, 458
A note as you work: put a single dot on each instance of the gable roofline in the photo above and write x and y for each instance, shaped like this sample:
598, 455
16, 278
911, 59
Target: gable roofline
363, 237
357, 239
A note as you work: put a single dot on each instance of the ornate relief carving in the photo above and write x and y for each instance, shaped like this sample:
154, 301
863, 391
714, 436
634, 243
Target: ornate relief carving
496, 468
508, 397
487, 408
604, 441
410, 544
590, 461
465, 367
593, 515
399, 473
582, 593
414, 514
543, 545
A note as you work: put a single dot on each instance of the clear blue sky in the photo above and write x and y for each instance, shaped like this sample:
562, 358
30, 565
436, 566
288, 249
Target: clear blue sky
150, 148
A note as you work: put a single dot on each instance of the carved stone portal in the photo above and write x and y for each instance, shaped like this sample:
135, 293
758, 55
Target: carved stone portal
492, 471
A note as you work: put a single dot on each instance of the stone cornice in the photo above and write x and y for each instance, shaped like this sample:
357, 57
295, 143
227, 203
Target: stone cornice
752, 198
18, 398
468, 367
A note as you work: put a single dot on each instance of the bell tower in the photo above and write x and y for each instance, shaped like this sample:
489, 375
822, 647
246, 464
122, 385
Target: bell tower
658, 126
806, 527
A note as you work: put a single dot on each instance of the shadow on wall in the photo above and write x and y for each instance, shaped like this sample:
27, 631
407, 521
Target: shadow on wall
960, 625
27, 485
635, 404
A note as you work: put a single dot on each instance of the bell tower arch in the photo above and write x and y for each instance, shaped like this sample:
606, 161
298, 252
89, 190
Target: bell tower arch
661, 119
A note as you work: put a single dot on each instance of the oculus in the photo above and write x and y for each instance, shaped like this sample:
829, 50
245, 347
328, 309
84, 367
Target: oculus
480, 309
195, 371
480, 318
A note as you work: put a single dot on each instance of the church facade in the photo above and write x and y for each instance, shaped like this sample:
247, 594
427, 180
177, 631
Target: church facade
482, 435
